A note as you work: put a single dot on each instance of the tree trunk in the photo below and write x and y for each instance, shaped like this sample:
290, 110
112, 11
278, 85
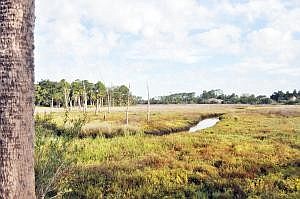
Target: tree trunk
108, 102
16, 99
127, 109
52, 104
66, 98
71, 105
148, 106
84, 98
97, 106
85, 102
79, 103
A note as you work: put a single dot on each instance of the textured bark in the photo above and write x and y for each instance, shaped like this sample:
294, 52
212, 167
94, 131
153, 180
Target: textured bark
16, 99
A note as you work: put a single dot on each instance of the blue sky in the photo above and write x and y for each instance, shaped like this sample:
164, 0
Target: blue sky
176, 45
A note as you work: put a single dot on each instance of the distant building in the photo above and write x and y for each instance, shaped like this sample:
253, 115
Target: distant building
214, 101
293, 99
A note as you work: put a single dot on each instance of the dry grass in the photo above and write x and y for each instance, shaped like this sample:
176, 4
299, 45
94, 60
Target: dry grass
253, 152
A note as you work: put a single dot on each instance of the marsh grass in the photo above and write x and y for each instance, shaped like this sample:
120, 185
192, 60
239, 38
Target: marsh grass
253, 152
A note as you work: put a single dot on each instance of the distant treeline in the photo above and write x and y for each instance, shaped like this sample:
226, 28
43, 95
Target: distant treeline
218, 97
80, 93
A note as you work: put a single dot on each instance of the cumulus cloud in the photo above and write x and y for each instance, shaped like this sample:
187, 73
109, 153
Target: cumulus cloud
83, 38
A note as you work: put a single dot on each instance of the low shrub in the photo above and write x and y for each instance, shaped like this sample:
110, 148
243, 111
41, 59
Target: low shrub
108, 130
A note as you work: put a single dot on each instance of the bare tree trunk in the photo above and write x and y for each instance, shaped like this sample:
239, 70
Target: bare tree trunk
127, 109
85, 102
52, 104
16, 99
104, 117
108, 101
79, 103
85, 98
148, 107
97, 106
71, 105
66, 98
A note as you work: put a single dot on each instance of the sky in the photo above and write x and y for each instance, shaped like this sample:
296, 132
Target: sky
175, 45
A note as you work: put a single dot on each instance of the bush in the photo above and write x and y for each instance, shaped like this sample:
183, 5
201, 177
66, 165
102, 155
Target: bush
108, 130
52, 162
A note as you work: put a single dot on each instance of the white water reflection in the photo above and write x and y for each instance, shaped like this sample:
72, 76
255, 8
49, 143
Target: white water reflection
204, 124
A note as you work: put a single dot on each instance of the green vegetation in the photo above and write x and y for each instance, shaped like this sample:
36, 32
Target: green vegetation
253, 152
84, 93
218, 97
80, 93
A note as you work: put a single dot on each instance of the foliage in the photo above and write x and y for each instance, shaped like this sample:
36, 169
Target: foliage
74, 92
52, 162
288, 98
253, 152
217, 97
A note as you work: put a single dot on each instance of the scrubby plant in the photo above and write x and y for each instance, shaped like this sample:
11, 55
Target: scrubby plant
52, 162
252, 152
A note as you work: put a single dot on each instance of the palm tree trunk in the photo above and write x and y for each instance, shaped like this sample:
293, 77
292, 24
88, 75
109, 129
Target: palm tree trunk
16, 99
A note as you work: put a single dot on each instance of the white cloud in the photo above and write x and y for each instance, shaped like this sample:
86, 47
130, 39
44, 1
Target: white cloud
273, 44
225, 39
253, 10
91, 35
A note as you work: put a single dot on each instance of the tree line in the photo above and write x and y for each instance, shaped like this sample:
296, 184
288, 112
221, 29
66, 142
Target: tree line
81, 94
217, 96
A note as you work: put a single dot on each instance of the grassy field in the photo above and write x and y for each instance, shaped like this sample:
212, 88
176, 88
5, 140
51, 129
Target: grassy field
253, 152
